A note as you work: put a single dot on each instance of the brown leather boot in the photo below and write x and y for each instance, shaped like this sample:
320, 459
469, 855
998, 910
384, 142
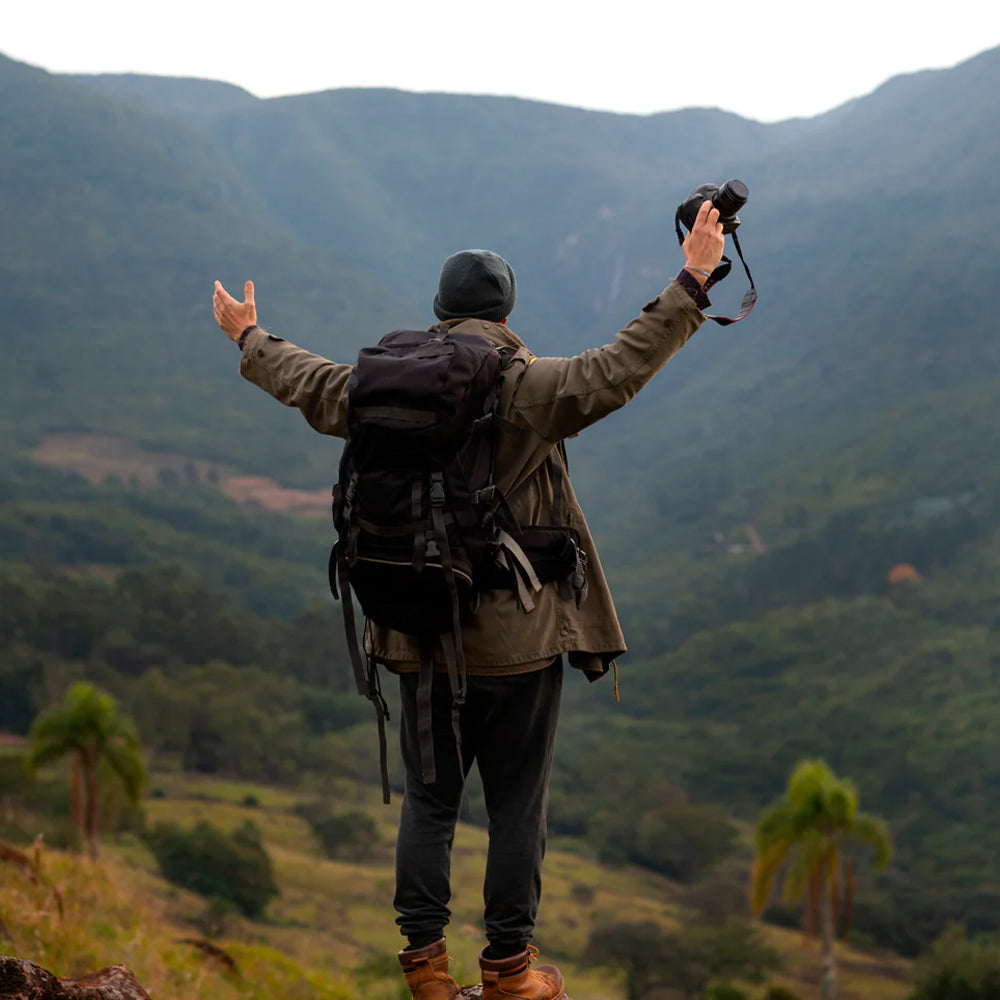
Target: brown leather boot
426, 972
513, 977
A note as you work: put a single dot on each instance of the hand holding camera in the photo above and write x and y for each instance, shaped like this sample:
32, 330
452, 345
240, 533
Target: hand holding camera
705, 244
709, 213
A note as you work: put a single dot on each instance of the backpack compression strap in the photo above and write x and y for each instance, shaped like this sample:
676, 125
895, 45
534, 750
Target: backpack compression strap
367, 681
451, 642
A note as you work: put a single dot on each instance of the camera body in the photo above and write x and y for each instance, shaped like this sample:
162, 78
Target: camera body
728, 199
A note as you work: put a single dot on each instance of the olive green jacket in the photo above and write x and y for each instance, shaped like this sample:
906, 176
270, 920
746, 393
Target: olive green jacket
546, 400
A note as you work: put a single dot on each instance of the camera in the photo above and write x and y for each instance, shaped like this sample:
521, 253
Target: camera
728, 199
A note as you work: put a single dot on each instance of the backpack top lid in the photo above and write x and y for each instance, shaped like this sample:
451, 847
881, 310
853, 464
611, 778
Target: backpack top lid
419, 393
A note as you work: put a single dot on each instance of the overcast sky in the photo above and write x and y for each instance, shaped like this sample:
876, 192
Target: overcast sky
765, 59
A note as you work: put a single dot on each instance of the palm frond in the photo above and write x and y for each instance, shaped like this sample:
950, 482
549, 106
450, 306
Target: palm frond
765, 870
125, 760
873, 831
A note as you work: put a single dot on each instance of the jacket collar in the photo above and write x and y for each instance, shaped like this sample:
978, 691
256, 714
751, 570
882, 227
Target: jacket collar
496, 333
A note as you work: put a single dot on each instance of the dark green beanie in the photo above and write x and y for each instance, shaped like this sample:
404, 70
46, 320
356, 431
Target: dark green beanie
475, 284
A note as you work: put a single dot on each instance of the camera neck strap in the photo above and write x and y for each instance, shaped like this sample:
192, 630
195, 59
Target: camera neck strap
720, 272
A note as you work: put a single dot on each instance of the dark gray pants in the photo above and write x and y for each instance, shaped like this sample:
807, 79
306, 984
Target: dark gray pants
508, 727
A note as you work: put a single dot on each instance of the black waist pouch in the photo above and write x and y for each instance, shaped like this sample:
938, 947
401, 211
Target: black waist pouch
555, 555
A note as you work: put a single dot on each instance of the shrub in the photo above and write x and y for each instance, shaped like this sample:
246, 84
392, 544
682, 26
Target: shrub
957, 968
351, 835
653, 958
231, 866
780, 993
684, 841
723, 991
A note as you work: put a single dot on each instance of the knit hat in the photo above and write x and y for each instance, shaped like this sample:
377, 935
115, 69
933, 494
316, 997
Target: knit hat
475, 284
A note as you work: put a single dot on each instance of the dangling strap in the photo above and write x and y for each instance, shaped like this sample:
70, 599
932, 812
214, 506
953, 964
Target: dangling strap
513, 558
451, 645
425, 718
749, 297
381, 718
353, 647
720, 272
451, 642
367, 681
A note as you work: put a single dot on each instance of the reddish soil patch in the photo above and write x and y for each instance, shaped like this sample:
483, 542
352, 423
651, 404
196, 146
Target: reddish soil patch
268, 494
100, 457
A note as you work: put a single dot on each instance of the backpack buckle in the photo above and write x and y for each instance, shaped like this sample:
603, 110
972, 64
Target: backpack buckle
485, 495
437, 493
349, 494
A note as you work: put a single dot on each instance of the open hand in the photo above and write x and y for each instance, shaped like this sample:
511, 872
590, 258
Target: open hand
234, 317
705, 244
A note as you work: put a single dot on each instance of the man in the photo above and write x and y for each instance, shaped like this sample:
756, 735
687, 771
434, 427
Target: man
513, 656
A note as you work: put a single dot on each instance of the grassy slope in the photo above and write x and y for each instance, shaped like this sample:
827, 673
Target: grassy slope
334, 917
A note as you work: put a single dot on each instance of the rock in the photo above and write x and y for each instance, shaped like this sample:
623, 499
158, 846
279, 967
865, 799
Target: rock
22, 980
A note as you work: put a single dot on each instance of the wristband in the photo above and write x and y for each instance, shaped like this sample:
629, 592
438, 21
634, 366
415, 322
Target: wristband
698, 270
692, 286
243, 335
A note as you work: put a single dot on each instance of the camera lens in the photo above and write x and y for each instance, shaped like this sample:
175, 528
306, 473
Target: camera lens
730, 198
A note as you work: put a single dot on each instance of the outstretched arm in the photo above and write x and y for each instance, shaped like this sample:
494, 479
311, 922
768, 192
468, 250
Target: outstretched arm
559, 397
297, 378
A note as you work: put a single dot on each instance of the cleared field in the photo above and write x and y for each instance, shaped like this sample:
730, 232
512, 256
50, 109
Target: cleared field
99, 457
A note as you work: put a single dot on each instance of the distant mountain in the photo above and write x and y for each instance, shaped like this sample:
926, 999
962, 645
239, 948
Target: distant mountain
870, 295
872, 291
187, 98
118, 220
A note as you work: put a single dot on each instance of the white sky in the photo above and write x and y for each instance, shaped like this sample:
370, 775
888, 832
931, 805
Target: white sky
765, 59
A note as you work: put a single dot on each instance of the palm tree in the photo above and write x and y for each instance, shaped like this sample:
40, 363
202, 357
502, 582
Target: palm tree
804, 836
87, 726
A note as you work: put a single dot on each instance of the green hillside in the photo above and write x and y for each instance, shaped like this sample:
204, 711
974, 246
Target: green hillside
330, 934
123, 219
850, 215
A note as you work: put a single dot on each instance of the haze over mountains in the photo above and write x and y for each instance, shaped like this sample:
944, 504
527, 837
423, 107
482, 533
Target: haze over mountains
130, 194
850, 421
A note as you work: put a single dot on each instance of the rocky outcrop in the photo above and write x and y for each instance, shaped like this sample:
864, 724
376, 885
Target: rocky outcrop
21, 980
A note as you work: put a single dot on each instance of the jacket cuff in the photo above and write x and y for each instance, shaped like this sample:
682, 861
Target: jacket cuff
243, 335
691, 285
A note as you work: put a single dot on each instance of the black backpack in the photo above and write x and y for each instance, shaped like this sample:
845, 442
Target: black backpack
421, 525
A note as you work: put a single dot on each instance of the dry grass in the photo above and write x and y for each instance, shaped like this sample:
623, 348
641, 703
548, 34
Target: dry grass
113, 913
861, 976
